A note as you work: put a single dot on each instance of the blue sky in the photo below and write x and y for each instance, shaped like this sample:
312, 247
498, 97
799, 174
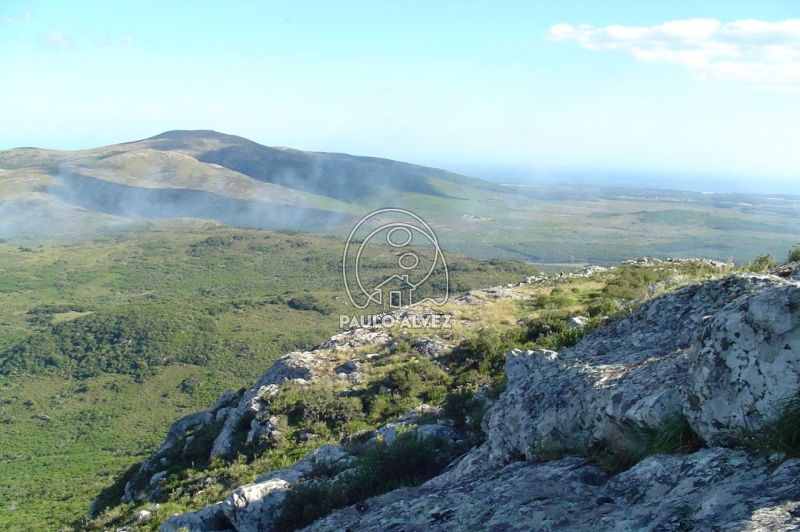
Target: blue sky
491, 88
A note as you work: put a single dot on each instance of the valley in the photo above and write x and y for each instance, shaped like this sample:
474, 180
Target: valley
52, 195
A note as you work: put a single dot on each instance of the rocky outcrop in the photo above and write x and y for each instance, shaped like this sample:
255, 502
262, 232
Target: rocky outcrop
745, 362
432, 348
679, 355
245, 416
722, 355
713, 489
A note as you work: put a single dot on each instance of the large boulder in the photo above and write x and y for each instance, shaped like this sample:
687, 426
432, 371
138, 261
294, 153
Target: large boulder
745, 364
255, 507
209, 519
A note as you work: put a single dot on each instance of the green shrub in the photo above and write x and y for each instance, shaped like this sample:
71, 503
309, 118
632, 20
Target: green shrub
782, 434
603, 307
630, 283
761, 264
675, 435
310, 302
794, 254
486, 351
553, 333
382, 407
421, 379
464, 409
317, 407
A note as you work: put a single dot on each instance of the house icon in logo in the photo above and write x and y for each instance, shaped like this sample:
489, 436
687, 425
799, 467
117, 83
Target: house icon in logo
399, 291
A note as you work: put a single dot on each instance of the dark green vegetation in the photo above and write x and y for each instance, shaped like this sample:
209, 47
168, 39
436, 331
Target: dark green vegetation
104, 343
46, 194
407, 461
673, 436
794, 254
781, 435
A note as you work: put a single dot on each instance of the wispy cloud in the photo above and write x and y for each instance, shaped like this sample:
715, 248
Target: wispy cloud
26, 16
56, 39
62, 41
758, 53
125, 39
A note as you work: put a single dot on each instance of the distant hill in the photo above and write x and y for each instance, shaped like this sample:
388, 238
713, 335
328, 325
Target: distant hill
209, 175
206, 175
337, 175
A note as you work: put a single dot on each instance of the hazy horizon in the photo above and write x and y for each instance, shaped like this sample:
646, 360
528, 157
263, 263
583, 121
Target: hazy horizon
681, 90
715, 183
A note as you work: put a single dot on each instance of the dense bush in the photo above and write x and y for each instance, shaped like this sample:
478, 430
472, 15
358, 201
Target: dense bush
761, 264
794, 254
464, 409
317, 407
630, 283
403, 388
129, 341
480, 359
602, 306
310, 302
420, 379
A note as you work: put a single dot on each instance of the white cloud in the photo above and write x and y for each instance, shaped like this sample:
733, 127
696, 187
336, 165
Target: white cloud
56, 39
26, 16
758, 53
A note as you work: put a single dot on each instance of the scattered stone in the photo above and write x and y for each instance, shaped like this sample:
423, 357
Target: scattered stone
142, 516
578, 322
432, 348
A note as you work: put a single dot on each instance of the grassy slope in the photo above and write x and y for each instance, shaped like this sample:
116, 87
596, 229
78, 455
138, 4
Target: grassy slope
50, 468
486, 333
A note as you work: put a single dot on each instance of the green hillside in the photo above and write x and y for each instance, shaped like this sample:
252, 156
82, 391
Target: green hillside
104, 343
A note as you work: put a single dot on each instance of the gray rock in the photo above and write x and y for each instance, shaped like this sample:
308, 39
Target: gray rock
577, 322
208, 519
305, 365
255, 507
432, 348
746, 361
350, 370
631, 373
142, 516
717, 489
224, 400
158, 476
178, 430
